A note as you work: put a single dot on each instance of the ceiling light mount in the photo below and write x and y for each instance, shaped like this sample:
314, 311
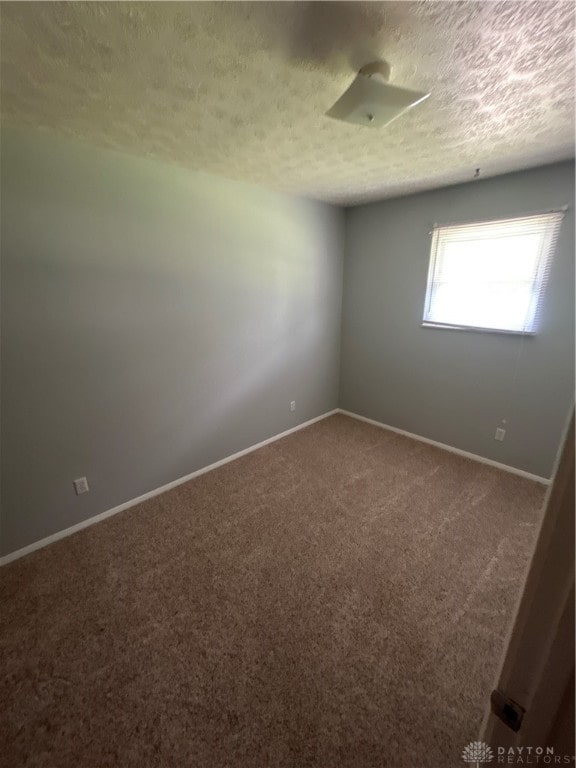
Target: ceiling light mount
372, 101
377, 69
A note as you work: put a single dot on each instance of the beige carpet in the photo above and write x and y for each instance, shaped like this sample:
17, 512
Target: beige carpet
338, 598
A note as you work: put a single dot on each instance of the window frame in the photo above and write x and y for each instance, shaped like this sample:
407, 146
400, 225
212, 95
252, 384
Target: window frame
541, 280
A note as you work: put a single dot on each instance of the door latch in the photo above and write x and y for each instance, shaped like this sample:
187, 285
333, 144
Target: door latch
509, 711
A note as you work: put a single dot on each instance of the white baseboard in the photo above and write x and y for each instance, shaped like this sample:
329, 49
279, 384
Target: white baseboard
444, 447
156, 492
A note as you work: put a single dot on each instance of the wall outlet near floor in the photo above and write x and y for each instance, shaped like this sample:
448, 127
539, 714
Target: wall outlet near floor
81, 486
292, 405
500, 434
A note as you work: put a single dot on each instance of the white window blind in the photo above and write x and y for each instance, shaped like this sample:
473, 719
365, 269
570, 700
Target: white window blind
491, 275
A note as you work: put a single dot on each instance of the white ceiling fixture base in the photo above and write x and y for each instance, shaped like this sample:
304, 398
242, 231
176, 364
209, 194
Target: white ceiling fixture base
372, 101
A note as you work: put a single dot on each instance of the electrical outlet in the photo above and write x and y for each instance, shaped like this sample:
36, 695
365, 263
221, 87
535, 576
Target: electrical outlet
293, 405
500, 434
81, 486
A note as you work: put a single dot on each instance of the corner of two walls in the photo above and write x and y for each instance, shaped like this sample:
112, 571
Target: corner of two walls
154, 321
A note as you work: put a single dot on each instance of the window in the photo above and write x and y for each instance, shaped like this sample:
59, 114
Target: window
490, 275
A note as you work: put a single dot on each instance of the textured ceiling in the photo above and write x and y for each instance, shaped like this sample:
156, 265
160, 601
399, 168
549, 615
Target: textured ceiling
240, 89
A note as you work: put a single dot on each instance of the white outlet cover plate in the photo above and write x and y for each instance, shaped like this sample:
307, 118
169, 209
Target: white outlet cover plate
81, 486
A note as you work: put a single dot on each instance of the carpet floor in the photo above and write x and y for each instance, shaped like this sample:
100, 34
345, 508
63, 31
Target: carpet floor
337, 599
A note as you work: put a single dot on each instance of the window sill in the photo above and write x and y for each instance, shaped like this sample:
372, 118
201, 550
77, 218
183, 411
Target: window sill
500, 331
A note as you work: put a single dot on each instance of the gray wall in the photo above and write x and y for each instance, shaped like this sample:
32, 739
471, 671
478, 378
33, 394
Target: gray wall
154, 321
448, 385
